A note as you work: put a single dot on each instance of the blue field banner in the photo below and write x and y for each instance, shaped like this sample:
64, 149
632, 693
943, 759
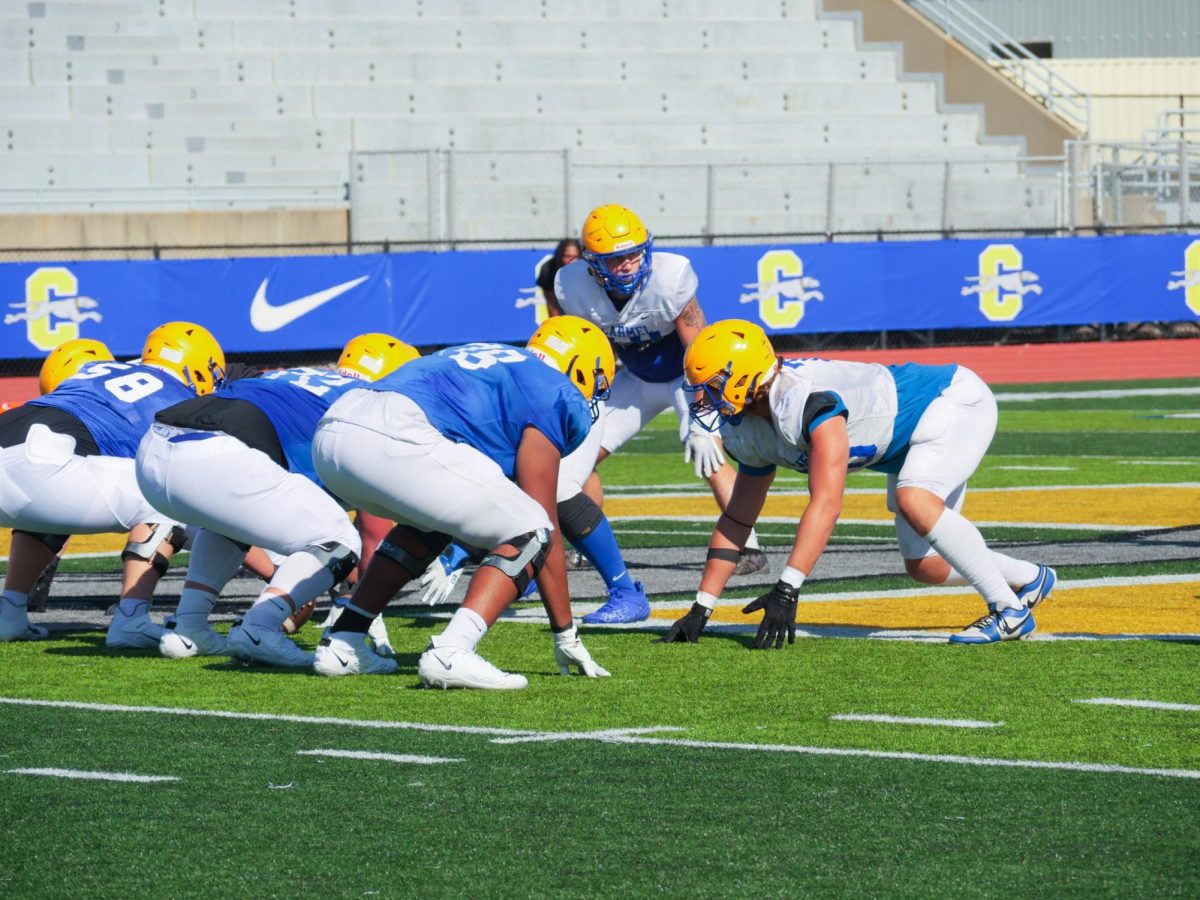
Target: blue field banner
256, 305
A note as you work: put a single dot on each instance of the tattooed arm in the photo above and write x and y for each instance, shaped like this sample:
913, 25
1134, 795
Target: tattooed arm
690, 321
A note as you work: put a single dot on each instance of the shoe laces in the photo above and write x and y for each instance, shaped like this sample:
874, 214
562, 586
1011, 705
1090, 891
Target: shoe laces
992, 618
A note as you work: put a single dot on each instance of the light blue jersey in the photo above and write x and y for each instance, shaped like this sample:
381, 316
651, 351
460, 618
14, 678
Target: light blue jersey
117, 402
294, 400
486, 395
881, 405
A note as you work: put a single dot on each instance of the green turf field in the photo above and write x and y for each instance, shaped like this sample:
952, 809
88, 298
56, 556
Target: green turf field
695, 770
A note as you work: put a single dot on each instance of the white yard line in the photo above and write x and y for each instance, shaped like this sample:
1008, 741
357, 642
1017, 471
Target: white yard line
1142, 704
381, 757
1155, 462
609, 735
1099, 394
888, 523
913, 720
1034, 468
92, 776
625, 736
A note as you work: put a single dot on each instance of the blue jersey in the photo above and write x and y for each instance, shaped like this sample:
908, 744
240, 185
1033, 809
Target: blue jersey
117, 402
486, 395
294, 400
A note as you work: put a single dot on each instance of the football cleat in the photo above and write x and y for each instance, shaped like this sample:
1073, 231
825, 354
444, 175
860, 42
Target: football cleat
451, 667
1009, 624
750, 560
378, 634
348, 653
136, 632
194, 640
623, 607
15, 625
261, 645
1039, 589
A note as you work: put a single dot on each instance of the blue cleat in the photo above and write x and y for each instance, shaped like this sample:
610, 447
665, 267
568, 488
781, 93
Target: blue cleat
1038, 589
999, 625
623, 607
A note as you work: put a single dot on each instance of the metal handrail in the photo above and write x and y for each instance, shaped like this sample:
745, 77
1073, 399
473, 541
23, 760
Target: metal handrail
988, 41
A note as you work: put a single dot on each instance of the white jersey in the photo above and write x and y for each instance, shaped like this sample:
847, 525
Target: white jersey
643, 330
881, 404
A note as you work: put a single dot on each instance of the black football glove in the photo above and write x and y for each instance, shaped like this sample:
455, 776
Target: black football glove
689, 627
779, 615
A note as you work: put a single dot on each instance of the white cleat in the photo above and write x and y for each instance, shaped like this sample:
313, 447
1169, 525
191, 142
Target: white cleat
15, 625
133, 632
261, 645
451, 667
348, 653
182, 643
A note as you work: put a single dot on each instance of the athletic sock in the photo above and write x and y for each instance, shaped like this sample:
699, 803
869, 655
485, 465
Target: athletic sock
752, 541
269, 611
195, 602
16, 598
464, 632
1017, 572
959, 543
351, 618
600, 547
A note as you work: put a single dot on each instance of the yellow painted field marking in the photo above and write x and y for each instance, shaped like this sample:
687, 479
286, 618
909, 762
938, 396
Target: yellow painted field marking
1141, 506
1141, 609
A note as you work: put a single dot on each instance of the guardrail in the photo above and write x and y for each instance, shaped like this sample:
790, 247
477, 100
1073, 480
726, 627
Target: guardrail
989, 42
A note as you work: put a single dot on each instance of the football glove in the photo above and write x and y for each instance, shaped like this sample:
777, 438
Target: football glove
779, 615
439, 580
379, 637
689, 627
701, 449
569, 651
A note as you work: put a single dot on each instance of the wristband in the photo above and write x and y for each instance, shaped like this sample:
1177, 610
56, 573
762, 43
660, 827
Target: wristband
705, 599
792, 576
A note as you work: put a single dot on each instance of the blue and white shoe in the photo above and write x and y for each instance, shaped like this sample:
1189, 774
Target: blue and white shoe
1039, 589
624, 607
1010, 624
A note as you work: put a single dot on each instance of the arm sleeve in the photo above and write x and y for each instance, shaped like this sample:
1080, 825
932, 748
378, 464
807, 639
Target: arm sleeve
819, 407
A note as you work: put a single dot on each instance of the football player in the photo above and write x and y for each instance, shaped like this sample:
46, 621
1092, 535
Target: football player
437, 447
67, 462
581, 519
238, 464
927, 427
646, 303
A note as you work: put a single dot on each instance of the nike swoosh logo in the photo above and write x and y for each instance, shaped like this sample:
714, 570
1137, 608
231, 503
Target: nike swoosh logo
1005, 627
187, 645
445, 665
345, 662
265, 317
255, 641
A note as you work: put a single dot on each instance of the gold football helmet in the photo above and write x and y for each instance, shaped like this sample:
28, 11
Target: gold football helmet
189, 351
373, 355
581, 351
612, 234
727, 363
67, 358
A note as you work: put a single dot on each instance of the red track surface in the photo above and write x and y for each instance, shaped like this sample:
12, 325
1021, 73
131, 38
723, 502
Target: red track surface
1018, 364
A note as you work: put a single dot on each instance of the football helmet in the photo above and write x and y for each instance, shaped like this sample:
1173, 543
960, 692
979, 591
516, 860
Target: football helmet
581, 351
189, 351
726, 363
612, 233
371, 356
67, 358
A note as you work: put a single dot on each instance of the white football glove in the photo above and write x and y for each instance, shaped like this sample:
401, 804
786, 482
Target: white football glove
569, 651
438, 582
379, 637
701, 448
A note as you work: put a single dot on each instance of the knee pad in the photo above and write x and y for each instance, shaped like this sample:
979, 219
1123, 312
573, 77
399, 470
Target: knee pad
415, 565
54, 541
147, 550
339, 559
531, 547
578, 515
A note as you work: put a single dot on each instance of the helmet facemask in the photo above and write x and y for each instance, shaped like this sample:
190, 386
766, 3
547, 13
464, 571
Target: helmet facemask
622, 285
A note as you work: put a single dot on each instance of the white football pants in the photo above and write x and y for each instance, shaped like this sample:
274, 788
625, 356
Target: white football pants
632, 403
379, 452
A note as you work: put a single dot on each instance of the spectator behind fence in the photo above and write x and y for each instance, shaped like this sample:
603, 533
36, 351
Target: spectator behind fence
567, 251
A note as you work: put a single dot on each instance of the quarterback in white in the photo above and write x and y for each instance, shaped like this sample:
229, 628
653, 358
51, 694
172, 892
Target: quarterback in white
645, 301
